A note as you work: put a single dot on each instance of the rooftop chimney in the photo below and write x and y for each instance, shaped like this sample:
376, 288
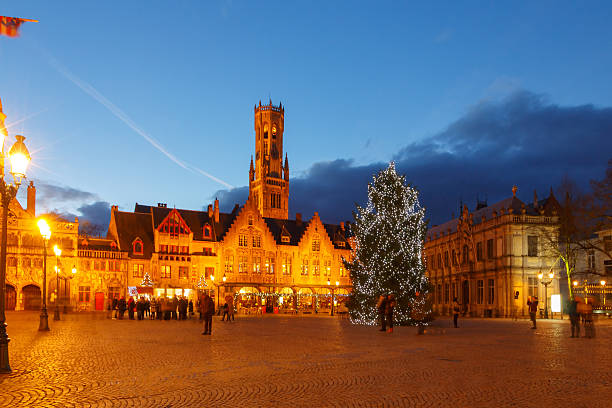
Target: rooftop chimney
114, 208
216, 210
298, 218
210, 211
31, 199
342, 225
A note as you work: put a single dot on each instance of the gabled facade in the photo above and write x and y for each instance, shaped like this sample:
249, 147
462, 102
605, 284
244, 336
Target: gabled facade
253, 250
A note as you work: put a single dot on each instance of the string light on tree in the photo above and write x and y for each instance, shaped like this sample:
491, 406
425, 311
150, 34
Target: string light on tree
387, 256
146, 281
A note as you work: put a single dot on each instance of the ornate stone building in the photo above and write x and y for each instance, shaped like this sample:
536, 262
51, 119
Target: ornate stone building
490, 259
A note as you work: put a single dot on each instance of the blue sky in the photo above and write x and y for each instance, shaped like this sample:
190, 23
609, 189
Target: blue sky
95, 85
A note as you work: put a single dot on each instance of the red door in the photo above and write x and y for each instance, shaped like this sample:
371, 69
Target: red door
99, 301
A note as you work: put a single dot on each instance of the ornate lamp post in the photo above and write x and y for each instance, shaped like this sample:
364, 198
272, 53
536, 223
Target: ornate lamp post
19, 158
603, 291
45, 232
74, 271
551, 275
58, 252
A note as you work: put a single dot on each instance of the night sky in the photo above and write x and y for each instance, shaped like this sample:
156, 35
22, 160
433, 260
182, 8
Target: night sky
140, 101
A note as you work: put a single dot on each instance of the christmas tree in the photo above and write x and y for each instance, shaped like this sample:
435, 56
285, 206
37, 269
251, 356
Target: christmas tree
387, 255
146, 280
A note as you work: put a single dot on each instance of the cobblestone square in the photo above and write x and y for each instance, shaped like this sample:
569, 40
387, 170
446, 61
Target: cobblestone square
276, 361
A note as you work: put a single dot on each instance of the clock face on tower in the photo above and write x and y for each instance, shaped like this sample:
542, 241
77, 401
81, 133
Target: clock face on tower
274, 131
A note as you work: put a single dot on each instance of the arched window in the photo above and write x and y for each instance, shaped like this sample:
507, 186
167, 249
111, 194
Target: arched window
207, 231
265, 131
137, 246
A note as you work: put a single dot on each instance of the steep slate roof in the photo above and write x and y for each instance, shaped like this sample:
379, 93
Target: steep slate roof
196, 220
135, 225
336, 234
295, 229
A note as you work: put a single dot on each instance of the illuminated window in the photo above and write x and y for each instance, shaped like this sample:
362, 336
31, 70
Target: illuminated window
342, 270
84, 293
287, 265
305, 267
229, 263
243, 260
270, 265
243, 240
208, 271
256, 264
183, 272
256, 241
285, 239
532, 286
327, 270
137, 270
316, 269
265, 131
166, 271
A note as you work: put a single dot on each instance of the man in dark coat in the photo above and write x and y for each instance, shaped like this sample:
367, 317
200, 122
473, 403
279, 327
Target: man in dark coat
207, 306
121, 305
532, 303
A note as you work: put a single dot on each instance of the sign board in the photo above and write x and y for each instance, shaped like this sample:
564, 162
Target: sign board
132, 291
555, 303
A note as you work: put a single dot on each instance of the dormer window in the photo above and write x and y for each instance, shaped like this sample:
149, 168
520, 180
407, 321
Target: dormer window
285, 239
113, 245
250, 220
340, 244
137, 246
207, 231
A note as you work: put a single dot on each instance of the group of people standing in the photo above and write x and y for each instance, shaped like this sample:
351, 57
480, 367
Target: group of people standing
157, 308
385, 306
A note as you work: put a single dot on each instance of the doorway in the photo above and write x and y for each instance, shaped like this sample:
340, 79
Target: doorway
99, 301
31, 297
10, 299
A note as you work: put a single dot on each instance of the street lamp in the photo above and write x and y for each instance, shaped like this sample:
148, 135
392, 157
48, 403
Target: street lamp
546, 283
58, 252
212, 278
19, 158
45, 232
603, 291
74, 271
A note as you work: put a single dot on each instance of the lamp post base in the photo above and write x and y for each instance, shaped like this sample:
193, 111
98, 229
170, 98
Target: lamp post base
44, 321
5, 367
56, 314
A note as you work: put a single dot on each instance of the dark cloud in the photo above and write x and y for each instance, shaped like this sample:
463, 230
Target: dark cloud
51, 192
96, 213
522, 139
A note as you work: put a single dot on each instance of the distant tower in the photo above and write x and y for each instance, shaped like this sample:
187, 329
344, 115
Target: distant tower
269, 183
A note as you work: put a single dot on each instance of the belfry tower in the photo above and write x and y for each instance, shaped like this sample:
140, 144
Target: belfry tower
269, 178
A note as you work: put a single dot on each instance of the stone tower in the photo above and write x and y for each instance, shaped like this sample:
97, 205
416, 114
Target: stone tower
268, 177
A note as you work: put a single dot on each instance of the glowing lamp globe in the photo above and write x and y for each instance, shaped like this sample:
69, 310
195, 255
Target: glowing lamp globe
57, 250
45, 231
20, 158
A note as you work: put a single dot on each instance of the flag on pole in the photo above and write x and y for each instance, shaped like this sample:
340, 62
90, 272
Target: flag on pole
9, 26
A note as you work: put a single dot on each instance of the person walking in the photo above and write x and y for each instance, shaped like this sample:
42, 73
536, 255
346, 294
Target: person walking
140, 308
532, 303
389, 307
381, 305
456, 309
207, 309
121, 306
230, 307
574, 317
115, 308
190, 308
130, 305
225, 312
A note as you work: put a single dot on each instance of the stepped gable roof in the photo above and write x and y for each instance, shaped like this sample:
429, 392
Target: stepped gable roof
337, 234
97, 244
477, 216
135, 225
196, 220
295, 229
